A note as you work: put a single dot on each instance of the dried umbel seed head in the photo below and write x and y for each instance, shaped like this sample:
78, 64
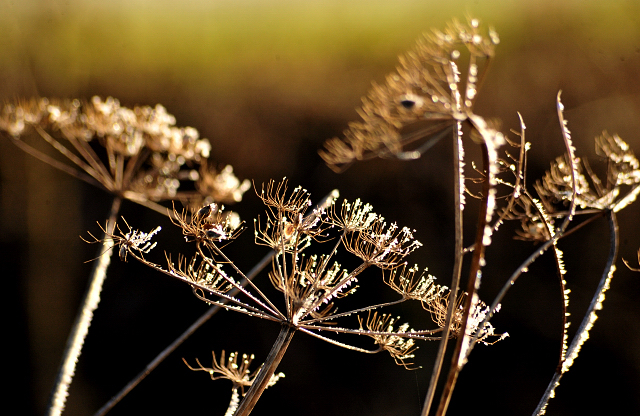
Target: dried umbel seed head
389, 338
133, 241
208, 224
238, 373
147, 158
221, 186
422, 100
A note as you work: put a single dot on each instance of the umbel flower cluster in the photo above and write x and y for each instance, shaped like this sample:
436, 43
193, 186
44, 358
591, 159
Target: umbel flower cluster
425, 97
140, 154
310, 283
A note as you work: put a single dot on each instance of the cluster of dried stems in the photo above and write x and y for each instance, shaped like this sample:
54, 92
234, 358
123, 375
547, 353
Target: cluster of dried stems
431, 96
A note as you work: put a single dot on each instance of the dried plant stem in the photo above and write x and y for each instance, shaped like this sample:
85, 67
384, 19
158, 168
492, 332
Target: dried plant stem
590, 316
268, 369
178, 341
560, 232
81, 325
457, 270
458, 359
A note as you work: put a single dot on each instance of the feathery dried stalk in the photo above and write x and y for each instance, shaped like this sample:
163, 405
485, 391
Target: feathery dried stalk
310, 284
145, 162
422, 101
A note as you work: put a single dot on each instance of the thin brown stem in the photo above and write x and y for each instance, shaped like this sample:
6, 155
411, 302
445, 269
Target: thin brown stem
56, 163
178, 341
268, 369
478, 253
457, 270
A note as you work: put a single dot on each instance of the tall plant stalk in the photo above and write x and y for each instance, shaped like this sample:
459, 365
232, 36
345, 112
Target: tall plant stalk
81, 325
589, 317
458, 251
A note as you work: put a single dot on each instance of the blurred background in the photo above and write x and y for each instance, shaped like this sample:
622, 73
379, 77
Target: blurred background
267, 82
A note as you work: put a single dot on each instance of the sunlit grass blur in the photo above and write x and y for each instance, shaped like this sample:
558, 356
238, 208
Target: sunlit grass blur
230, 45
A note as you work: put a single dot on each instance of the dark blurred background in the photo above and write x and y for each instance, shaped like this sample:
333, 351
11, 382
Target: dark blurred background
267, 83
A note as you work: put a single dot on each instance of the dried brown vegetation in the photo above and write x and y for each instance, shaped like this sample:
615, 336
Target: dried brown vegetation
431, 97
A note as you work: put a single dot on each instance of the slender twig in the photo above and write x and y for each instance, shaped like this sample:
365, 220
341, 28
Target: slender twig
271, 307
354, 311
83, 320
589, 318
420, 334
566, 136
267, 311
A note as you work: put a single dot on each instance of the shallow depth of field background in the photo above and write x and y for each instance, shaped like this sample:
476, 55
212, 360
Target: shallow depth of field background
267, 83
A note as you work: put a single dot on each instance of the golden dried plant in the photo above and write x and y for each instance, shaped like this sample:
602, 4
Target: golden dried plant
137, 153
310, 284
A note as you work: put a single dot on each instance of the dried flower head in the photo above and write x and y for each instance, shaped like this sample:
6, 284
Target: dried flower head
220, 186
147, 156
479, 310
286, 226
238, 374
202, 273
623, 169
383, 246
133, 241
388, 338
353, 216
275, 196
412, 285
312, 285
423, 99
209, 224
